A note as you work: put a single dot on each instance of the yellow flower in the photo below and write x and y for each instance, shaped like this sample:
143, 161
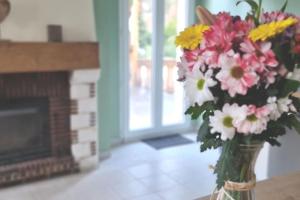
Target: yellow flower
265, 31
191, 37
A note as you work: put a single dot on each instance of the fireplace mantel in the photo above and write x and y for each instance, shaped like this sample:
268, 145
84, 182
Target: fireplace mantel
18, 57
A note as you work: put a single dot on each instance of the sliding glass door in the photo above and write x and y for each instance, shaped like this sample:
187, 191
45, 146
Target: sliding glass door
152, 100
140, 64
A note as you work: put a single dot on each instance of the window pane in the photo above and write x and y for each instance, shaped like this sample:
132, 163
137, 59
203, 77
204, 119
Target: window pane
140, 28
172, 90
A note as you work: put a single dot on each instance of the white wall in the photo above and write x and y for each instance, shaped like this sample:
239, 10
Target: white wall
262, 165
285, 159
28, 20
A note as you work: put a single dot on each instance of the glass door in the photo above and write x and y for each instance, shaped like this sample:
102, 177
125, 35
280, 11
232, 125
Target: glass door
154, 99
175, 12
140, 63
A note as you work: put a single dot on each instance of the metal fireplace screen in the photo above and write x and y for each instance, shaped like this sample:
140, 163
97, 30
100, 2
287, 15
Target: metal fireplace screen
24, 130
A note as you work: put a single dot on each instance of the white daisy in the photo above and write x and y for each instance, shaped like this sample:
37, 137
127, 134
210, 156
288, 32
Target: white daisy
273, 107
280, 106
236, 76
286, 105
295, 75
225, 122
256, 121
197, 87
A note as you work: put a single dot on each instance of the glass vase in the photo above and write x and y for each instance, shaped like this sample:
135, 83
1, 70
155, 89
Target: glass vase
243, 187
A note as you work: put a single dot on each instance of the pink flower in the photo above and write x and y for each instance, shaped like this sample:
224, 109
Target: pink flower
258, 111
218, 40
296, 49
268, 17
256, 121
194, 59
242, 28
269, 77
182, 69
260, 56
282, 71
224, 21
236, 76
223, 36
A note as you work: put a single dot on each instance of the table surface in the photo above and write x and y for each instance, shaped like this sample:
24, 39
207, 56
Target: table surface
277, 188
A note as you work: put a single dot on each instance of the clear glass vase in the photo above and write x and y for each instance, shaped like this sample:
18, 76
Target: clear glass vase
244, 188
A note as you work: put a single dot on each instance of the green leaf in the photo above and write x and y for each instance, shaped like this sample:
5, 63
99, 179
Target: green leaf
295, 123
259, 10
274, 130
284, 55
208, 113
227, 167
255, 9
273, 142
207, 144
272, 92
252, 4
284, 6
296, 102
210, 142
196, 111
289, 86
285, 120
203, 131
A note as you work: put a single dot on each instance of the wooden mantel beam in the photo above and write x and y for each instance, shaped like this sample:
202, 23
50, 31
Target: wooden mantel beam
19, 57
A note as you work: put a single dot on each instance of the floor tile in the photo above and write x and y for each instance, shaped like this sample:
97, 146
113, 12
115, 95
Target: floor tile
149, 197
178, 193
144, 170
134, 172
158, 183
131, 190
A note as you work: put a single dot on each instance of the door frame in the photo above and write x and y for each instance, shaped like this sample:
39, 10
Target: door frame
157, 79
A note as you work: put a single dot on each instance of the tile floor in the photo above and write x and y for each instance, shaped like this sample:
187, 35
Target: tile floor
134, 172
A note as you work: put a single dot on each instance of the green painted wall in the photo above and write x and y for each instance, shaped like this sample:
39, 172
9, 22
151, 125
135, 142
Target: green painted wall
229, 5
107, 28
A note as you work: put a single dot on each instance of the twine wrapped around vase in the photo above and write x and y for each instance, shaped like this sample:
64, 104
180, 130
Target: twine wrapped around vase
234, 186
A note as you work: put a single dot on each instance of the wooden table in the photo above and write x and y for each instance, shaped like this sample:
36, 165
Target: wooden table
278, 188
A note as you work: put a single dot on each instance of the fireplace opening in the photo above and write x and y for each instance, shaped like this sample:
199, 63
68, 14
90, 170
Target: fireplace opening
24, 130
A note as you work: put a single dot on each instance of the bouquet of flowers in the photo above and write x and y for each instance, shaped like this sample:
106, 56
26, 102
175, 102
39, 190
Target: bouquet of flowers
240, 76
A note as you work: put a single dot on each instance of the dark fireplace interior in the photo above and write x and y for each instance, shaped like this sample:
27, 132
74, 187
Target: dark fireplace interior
35, 135
24, 130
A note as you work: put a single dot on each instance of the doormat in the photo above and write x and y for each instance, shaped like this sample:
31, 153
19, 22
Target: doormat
167, 141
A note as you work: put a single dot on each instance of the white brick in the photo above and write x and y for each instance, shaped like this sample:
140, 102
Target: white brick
88, 164
87, 105
80, 121
81, 151
80, 91
85, 76
87, 135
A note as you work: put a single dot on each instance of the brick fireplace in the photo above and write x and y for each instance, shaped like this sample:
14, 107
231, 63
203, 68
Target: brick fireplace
47, 114
35, 144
